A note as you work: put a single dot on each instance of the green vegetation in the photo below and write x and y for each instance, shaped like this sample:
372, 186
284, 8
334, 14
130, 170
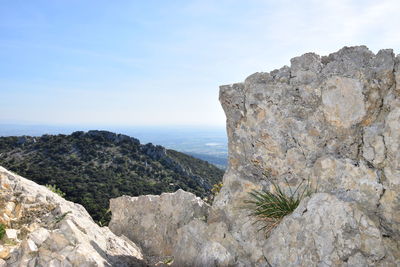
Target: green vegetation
61, 217
216, 188
55, 189
214, 192
269, 207
90, 168
168, 261
2, 231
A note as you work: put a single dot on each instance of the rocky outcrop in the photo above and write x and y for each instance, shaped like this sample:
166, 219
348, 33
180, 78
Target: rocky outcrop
332, 122
161, 154
43, 229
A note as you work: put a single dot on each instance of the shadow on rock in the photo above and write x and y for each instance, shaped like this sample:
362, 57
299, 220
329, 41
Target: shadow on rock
119, 260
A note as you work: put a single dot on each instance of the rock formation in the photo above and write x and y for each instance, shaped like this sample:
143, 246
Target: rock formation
152, 221
332, 122
43, 229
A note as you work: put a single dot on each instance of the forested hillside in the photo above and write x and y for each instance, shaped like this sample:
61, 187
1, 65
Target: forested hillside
90, 168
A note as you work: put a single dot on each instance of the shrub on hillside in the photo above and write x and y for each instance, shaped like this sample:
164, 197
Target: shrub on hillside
55, 189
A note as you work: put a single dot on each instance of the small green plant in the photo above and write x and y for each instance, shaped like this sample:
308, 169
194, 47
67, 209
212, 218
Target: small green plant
55, 189
10, 242
214, 191
2, 230
105, 218
269, 207
168, 261
58, 219
217, 188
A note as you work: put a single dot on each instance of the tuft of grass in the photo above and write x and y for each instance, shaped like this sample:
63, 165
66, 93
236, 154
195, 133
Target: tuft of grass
55, 189
10, 242
2, 230
105, 218
58, 219
217, 188
168, 261
214, 192
269, 207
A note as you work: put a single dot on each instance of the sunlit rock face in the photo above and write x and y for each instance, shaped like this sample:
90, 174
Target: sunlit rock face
332, 122
43, 229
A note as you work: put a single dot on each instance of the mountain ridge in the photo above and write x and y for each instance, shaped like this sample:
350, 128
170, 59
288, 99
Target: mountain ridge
92, 167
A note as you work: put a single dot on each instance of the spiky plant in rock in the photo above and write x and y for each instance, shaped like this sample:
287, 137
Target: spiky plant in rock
270, 206
2, 230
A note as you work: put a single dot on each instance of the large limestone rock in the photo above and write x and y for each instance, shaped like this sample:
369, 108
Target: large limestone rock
153, 221
175, 226
332, 122
43, 229
326, 231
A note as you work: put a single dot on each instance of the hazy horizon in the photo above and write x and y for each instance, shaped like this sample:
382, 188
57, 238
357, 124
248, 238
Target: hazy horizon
26, 128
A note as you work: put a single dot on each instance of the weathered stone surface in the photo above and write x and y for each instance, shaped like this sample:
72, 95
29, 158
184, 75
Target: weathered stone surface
325, 231
347, 181
43, 229
153, 221
198, 238
343, 101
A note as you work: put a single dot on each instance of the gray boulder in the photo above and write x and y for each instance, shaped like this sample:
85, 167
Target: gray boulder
153, 221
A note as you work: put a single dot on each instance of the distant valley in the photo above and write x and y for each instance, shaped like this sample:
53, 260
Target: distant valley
208, 144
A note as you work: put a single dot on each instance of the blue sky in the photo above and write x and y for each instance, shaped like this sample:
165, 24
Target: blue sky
161, 62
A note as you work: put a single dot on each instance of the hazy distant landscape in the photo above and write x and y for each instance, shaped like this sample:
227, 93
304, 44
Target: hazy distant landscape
209, 144
206, 143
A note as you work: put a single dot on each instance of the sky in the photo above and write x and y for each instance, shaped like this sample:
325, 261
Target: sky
130, 63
